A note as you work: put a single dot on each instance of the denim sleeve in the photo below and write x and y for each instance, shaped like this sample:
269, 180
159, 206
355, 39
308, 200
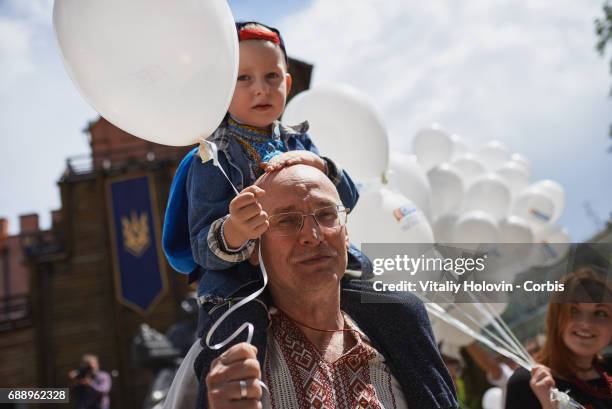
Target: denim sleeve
341, 179
209, 195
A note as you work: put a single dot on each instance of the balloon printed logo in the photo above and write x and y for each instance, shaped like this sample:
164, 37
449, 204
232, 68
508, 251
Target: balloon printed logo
408, 216
403, 211
539, 214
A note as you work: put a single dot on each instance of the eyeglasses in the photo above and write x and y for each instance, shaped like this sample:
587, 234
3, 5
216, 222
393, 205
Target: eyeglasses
287, 224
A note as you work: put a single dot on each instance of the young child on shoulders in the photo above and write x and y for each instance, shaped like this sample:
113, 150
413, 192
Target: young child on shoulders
209, 231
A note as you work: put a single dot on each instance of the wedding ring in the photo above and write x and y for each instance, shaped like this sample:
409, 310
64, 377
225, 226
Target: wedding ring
243, 389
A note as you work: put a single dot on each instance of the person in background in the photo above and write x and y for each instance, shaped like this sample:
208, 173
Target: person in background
91, 386
578, 329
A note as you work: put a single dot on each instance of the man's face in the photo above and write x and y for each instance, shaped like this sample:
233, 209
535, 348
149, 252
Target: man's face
315, 257
262, 84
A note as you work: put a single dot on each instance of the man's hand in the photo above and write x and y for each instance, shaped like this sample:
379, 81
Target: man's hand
239, 363
293, 158
246, 220
541, 383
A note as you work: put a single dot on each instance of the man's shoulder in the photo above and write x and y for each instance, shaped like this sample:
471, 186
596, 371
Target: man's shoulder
359, 295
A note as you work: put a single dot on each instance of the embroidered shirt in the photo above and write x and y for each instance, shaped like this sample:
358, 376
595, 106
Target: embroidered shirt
299, 377
259, 145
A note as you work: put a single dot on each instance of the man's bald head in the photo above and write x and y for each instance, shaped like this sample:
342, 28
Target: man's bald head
292, 180
294, 174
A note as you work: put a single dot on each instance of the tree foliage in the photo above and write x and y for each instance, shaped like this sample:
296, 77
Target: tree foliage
603, 29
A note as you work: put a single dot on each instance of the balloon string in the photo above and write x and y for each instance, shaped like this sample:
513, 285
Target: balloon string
494, 337
208, 151
249, 326
517, 343
564, 400
480, 326
440, 313
509, 340
228, 179
495, 320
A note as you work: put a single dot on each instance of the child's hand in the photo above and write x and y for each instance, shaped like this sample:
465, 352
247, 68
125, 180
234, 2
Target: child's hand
295, 157
541, 383
246, 220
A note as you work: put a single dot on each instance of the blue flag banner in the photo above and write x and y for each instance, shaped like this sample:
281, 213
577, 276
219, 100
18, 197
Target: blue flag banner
140, 276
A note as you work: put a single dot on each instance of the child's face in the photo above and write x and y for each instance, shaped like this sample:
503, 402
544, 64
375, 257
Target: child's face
262, 85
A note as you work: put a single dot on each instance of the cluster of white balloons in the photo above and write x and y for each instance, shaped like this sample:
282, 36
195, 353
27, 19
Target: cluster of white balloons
486, 196
441, 191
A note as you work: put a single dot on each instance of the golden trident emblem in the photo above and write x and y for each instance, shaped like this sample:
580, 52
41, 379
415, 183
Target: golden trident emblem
136, 237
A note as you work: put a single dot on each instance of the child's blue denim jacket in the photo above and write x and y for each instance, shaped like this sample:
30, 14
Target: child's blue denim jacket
199, 202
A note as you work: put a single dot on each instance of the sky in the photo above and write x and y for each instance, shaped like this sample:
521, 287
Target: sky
525, 73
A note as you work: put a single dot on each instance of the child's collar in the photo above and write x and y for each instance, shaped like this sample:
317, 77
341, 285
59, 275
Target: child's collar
273, 130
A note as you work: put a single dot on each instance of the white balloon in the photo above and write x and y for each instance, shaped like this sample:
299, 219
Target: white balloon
384, 216
345, 125
446, 190
522, 160
551, 245
469, 168
163, 71
443, 228
410, 180
432, 146
515, 176
535, 206
475, 229
514, 229
493, 154
556, 192
490, 194
493, 398
460, 145
512, 253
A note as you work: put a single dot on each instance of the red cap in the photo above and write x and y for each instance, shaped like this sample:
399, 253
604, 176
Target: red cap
256, 34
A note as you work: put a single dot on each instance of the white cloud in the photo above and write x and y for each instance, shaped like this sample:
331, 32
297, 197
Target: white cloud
485, 57
35, 11
15, 53
24, 27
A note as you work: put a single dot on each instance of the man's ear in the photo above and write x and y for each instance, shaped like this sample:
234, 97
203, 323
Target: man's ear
289, 80
346, 237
